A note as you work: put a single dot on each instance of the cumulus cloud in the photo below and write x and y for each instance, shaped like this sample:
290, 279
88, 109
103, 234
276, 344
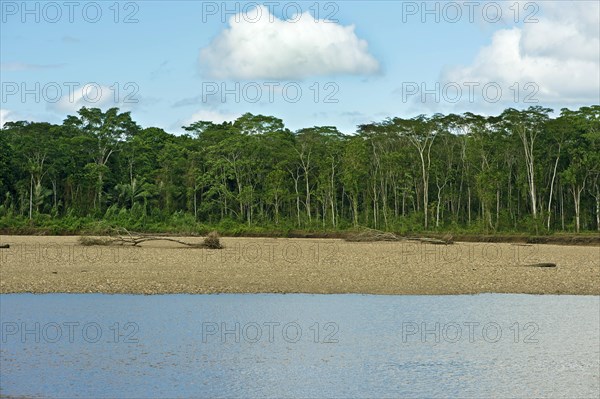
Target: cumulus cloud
560, 54
93, 95
262, 46
6, 116
214, 116
9, 115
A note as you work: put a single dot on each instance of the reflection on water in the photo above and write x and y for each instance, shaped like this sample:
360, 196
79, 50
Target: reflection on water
492, 345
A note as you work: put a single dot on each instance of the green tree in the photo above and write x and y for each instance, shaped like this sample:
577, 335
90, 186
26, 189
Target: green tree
106, 130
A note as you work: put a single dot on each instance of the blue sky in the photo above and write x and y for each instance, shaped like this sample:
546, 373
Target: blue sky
371, 60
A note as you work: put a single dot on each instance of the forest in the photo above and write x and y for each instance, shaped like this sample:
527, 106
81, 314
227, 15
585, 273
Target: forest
528, 170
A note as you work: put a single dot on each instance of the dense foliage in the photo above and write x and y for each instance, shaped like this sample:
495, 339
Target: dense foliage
519, 171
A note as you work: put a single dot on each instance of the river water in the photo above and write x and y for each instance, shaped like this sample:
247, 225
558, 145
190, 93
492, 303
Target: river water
297, 345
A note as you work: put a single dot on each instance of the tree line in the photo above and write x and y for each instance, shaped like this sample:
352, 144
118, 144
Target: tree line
522, 170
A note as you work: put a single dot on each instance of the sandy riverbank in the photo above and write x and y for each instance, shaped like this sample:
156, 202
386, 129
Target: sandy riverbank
248, 265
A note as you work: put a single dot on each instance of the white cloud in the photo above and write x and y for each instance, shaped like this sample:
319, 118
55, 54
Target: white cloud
22, 66
93, 95
261, 46
214, 116
6, 116
560, 54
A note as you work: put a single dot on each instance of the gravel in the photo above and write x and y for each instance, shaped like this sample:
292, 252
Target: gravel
42, 264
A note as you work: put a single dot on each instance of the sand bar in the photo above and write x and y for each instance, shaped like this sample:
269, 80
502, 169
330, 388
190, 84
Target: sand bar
44, 264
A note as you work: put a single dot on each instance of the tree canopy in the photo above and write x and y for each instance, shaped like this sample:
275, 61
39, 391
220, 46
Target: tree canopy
517, 171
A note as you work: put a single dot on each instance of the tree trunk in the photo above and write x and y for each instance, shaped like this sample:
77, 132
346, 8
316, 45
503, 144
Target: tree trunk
439, 202
598, 211
31, 197
100, 184
54, 194
332, 198
497, 207
562, 209
355, 210
577, 200
437, 213
395, 200
469, 205
297, 200
425, 191
307, 197
528, 146
375, 204
195, 202
551, 191
403, 202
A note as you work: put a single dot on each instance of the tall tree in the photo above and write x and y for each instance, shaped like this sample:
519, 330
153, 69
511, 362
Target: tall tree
527, 125
105, 129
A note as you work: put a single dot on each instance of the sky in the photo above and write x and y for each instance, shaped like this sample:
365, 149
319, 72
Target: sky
344, 63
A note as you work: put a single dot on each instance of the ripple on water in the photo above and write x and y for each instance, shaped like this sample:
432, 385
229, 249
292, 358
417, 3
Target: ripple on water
334, 345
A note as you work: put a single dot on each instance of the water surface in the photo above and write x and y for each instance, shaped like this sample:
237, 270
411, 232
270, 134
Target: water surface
270, 345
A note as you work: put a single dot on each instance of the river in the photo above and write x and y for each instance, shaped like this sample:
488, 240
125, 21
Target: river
297, 345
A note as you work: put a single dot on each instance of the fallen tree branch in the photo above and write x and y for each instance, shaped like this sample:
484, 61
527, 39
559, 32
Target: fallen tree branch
544, 264
434, 241
134, 241
370, 235
122, 236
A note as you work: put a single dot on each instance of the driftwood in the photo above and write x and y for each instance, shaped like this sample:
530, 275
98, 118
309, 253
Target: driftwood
545, 264
125, 237
370, 235
122, 236
435, 241
4, 246
134, 241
